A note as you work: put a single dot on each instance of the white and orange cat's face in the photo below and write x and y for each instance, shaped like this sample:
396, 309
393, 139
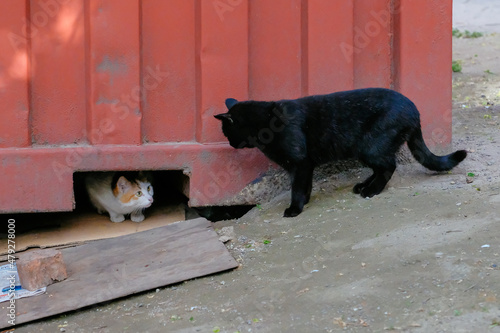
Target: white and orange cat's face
136, 195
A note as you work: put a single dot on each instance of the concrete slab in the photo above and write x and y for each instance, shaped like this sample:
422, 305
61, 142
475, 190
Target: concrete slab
477, 15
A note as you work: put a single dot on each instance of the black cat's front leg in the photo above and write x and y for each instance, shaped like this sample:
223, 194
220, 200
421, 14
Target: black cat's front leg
360, 186
301, 188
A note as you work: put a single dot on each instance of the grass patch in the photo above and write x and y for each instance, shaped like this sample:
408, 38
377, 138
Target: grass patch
456, 66
466, 34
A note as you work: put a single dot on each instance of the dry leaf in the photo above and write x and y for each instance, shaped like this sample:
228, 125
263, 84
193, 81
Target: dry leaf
339, 322
300, 292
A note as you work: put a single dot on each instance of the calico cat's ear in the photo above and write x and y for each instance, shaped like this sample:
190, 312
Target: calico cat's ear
230, 103
123, 184
223, 116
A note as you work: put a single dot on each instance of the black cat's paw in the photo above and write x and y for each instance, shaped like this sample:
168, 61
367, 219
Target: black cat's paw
358, 188
367, 192
292, 212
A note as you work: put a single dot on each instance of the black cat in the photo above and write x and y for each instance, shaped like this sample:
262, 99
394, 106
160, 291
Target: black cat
365, 124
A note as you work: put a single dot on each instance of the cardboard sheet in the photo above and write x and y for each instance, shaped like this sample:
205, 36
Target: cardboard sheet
76, 228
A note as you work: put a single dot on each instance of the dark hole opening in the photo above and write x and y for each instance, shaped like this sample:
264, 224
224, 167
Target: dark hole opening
169, 188
220, 213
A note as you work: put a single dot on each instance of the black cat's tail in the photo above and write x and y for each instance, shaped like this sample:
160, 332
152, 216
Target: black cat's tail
433, 162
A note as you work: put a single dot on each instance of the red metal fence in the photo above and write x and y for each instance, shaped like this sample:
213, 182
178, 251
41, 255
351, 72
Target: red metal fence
128, 84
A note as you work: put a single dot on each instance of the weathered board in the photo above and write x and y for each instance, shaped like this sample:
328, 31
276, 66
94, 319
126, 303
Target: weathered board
107, 269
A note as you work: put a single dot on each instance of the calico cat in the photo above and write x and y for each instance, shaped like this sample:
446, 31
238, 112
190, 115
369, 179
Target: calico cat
369, 125
120, 194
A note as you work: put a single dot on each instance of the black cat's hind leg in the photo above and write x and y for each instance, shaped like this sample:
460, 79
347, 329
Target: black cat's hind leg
379, 179
301, 188
380, 155
309, 187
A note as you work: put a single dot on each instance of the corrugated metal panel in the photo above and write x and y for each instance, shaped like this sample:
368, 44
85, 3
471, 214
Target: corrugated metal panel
130, 84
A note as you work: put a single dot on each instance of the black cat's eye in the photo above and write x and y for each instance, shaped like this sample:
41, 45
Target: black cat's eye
139, 194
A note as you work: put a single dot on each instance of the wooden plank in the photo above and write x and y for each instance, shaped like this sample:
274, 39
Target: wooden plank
14, 68
168, 71
111, 268
114, 73
330, 51
275, 39
58, 72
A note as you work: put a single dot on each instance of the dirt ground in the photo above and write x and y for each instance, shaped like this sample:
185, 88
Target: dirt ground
424, 256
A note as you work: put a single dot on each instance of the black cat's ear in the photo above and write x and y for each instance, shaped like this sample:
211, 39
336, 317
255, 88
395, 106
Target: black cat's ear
223, 116
230, 102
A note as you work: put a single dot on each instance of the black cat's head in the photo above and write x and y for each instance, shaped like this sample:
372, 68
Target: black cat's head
234, 125
252, 124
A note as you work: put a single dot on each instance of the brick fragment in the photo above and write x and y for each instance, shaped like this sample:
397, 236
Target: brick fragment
40, 268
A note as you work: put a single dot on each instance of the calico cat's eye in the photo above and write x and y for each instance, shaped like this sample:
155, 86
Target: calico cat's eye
149, 188
139, 193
